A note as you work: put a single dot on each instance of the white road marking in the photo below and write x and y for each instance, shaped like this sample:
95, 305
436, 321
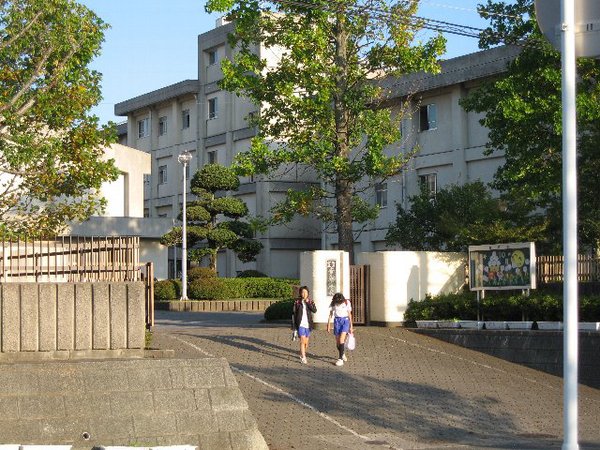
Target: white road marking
285, 393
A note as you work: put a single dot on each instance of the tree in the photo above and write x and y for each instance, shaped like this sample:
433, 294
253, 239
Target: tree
523, 112
50, 148
204, 216
459, 216
321, 104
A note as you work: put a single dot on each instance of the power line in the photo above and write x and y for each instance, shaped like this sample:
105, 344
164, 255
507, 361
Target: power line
416, 21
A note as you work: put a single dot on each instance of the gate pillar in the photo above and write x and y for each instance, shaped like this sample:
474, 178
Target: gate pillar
325, 272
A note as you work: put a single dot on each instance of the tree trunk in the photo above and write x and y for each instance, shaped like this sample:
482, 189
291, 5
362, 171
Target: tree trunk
343, 187
212, 260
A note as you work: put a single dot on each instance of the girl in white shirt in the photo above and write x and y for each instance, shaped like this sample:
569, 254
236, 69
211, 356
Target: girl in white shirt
341, 313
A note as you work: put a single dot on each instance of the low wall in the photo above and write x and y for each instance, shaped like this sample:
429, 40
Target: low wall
400, 276
71, 317
257, 305
141, 403
540, 350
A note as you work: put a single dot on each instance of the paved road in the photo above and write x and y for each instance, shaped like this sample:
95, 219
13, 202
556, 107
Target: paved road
399, 390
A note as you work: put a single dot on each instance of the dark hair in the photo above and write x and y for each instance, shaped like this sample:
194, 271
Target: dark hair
301, 288
338, 299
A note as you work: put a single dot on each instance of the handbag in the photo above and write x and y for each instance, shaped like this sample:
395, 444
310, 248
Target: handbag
350, 341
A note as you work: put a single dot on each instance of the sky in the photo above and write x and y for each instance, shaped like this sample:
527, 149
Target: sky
152, 44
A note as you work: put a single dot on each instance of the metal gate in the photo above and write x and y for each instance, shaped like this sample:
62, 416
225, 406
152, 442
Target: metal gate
359, 294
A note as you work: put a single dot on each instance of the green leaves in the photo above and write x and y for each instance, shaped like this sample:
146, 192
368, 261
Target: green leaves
459, 216
523, 111
320, 105
205, 218
51, 150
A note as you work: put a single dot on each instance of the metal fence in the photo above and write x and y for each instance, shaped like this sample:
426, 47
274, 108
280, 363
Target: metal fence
71, 259
550, 269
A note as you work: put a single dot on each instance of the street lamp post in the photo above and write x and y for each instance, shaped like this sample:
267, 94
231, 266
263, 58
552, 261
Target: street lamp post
184, 159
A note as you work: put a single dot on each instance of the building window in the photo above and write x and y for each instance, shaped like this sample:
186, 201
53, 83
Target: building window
162, 175
146, 212
146, 178
162, 126
185, 118
428, 182
427, 117
212, 157
143, 127
381, 195
212, 57
212, 108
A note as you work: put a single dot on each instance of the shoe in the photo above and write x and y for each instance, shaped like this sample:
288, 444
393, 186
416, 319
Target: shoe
339, 362
303, 360
344, 357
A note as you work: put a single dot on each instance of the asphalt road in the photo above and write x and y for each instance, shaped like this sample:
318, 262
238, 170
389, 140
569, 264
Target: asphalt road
399, 390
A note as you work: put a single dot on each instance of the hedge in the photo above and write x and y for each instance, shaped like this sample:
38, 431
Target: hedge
226, 288
539, 306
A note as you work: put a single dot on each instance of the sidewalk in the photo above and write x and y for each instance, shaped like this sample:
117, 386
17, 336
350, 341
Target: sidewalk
399, 390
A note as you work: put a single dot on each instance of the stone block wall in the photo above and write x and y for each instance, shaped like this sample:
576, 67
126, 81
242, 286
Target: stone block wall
71, 317
540, 350
136, 402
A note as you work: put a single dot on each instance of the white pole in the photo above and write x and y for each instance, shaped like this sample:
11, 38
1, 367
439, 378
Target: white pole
184, 159
570, 301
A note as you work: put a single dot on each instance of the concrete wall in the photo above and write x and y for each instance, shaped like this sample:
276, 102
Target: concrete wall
314, 273
540, 350
138, 403
398, 277
71, 317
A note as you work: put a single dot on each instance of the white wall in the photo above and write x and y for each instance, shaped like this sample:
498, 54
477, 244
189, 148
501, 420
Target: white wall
313, 273
398, 277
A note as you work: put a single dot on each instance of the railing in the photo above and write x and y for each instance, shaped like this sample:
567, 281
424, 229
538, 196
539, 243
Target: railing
71, 259
550, 269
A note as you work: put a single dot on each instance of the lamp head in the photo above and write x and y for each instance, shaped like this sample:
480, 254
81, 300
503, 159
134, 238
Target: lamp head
184, 158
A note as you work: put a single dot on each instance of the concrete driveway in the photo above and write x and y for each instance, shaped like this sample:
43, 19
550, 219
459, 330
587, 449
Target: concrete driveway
399, 390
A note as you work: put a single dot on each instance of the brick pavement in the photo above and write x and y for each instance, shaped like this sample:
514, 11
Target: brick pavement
399, 390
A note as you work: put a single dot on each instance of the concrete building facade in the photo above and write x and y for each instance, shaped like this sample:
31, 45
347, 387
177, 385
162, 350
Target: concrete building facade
196, 116
212, 124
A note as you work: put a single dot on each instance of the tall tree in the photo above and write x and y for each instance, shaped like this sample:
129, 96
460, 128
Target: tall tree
205, 217
50, 148
523, 112
321, 104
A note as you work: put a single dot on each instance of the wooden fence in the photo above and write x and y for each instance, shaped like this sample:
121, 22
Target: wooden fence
71, 259
550, 269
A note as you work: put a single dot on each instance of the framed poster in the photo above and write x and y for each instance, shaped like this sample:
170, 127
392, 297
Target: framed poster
502, 266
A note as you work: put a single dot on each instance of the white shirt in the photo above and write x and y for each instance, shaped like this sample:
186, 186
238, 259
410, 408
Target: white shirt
341, 310
304, 320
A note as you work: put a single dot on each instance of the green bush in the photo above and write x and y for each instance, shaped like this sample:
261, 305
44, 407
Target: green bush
200, 272
281, 310
209, 289
226, 288
251, 274
539, 306
167, 290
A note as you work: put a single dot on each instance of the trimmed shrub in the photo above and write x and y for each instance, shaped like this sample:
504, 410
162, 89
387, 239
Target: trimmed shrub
166, 290
539, 306
251, 274
227, 288
200, 272
209, 289
281, 310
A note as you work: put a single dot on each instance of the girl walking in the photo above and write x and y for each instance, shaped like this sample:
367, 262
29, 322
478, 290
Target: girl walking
302, 320
341, 314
